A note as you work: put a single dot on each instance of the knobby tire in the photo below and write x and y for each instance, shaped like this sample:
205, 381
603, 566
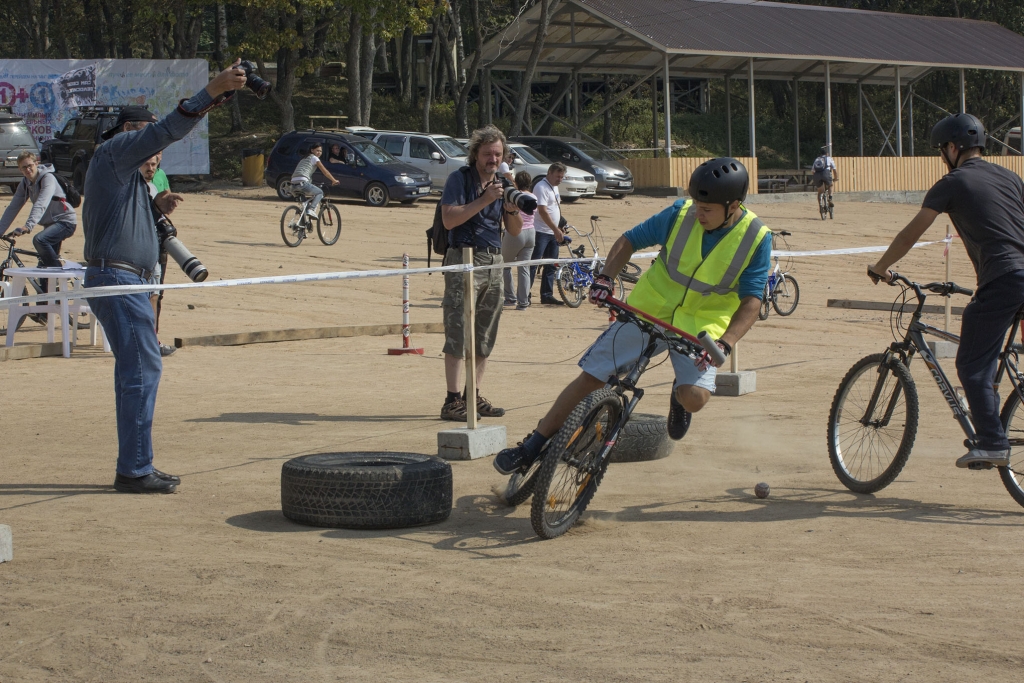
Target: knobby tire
1012, 418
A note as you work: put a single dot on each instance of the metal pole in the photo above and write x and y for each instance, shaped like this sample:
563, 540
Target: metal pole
577, 92
406, 338
728, 113
469, 337
828, 107
910, 117
750, 97
949, 303
860, 120
654, 113
899, 115
796, 121
963, 93
488, 100
667, 86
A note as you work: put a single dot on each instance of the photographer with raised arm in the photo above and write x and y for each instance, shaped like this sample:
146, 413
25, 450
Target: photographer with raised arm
985, 202
121, 247
473, 207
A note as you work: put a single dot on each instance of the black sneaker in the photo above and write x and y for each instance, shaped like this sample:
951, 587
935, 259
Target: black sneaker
552, 301
513, 459
678, 418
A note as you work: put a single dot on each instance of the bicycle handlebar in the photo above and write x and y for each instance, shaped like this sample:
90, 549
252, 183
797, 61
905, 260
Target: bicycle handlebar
690, 345
941, 288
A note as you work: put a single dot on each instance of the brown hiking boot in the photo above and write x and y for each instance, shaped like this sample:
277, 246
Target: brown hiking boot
484, 408
456, 411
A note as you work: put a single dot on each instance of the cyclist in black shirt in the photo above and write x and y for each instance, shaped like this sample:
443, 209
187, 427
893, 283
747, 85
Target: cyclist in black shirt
986, 205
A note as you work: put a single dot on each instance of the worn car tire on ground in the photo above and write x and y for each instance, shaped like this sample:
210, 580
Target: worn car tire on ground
366, 490
645, 437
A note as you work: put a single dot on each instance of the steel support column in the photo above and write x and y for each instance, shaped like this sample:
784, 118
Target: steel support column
860, 120
963, 93
1022, 112
899, 114
654, 114
750, 101
667, 85
728, 114
796, 122
828, 108
910, 117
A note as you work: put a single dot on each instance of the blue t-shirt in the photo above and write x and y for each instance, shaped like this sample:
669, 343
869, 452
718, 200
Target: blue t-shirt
655, 230
484, 228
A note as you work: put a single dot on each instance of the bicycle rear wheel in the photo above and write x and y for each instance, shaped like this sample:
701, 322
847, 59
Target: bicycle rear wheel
328, 228
822, 208
572, 469
1013, 424
786, 295
293, 229
869, 451
631, 273
565, 279
831, 206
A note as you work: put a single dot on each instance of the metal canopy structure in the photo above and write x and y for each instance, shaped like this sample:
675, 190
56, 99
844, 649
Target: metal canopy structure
751, 39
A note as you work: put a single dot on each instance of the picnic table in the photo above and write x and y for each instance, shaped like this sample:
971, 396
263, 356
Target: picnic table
784, 180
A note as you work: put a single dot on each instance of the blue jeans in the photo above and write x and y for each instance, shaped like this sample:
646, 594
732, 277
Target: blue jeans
983, 328
48, 242
130, 328
310, 190
546, 247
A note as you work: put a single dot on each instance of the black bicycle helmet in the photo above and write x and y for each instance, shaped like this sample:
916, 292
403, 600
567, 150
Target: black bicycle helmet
963, 130
719, 181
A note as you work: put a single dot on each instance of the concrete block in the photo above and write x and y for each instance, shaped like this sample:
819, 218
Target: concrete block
6, 544
470, 444
943, 349
735, 383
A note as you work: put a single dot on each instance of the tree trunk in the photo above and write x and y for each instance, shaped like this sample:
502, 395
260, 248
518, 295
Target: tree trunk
62, 30
558, 92
449, 65
354, 73
606, 138
366, 61
287, 61
454, 16
469, 79
108, 19
220, 52
547, 8
408, 66
127, 30
431, 62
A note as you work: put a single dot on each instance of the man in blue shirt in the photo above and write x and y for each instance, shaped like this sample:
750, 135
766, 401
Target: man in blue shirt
121, 248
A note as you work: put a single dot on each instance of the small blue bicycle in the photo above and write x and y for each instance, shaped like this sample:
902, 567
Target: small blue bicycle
781, 291
574, 279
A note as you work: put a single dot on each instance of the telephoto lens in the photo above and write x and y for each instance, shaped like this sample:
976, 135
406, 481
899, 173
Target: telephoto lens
253, 81
195, 270
524, 202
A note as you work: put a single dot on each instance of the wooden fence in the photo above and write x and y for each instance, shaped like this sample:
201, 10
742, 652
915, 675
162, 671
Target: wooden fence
856, 174
675, 172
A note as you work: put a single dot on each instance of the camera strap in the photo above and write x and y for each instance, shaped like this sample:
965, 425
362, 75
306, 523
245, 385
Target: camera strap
217, 101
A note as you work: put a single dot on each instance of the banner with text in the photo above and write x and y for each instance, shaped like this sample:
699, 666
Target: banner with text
47, 93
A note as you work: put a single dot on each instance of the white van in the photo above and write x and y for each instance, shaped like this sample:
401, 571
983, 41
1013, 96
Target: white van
436, 154
1012, 139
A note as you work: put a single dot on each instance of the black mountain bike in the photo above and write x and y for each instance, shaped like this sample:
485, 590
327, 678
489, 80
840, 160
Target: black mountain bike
825, 205
565, 477
12, 260
874, 417
296, 225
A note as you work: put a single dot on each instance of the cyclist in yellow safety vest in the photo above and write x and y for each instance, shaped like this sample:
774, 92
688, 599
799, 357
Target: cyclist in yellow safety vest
710, 276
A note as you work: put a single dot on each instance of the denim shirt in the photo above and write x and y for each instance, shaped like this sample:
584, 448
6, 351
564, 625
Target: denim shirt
118, 223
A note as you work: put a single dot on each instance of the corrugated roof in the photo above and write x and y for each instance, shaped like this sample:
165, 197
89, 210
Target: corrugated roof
714, 38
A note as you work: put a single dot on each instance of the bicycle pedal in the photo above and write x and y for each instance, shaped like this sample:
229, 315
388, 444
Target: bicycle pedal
980, 466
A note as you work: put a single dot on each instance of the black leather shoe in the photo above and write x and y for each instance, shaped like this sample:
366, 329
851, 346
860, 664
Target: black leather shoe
678, 418
150, 483
173, 478
551, 301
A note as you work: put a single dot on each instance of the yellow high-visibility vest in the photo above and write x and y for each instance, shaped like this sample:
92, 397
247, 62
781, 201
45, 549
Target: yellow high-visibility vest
692, 292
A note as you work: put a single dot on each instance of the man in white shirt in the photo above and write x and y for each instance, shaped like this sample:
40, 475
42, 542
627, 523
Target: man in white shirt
549, 235
825, 171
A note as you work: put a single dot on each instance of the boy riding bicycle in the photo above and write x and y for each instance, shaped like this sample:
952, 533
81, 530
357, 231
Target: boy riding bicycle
986, 205
302, 177
709, 277
825, 172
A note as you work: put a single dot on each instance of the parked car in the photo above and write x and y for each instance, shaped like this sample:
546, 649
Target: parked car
436, 154
71, 150
15, 138
367, 171
1011, 140
612, 177
362, 131
577, 182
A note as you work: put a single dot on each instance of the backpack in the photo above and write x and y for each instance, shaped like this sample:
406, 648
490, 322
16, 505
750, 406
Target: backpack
820, 164
437, 235
71, 193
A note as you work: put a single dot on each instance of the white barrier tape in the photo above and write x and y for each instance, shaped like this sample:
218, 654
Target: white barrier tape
118, 290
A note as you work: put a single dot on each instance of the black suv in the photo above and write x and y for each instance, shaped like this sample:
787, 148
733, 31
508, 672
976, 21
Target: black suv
71, 151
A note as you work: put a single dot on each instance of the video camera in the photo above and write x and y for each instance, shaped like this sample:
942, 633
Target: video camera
169, 242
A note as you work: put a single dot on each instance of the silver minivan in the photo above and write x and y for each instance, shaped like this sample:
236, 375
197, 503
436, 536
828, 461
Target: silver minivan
436, 154
15, 138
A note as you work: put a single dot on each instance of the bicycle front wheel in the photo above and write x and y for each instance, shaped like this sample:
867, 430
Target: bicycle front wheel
521, 484
572, 469
786, 296
868, 450
631, 273
822, 209
293, 229
565, 279
328, 228
1013, 424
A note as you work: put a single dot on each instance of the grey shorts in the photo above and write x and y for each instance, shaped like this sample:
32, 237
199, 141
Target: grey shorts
489, 300
619, 347
822, 177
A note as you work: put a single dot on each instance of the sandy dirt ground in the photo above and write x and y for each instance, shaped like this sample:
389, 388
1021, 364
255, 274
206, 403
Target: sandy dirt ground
677, 573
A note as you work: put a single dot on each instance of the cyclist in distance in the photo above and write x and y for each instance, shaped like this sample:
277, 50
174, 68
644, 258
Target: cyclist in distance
302, 176
825, 171
709, 277
985, 202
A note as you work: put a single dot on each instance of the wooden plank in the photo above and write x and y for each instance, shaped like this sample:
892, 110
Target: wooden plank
884, 306
299, 334
31, 351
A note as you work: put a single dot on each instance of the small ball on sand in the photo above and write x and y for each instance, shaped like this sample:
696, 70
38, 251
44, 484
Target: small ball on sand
762, 490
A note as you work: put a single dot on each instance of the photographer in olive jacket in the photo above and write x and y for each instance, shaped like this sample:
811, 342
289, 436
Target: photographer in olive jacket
121, 249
